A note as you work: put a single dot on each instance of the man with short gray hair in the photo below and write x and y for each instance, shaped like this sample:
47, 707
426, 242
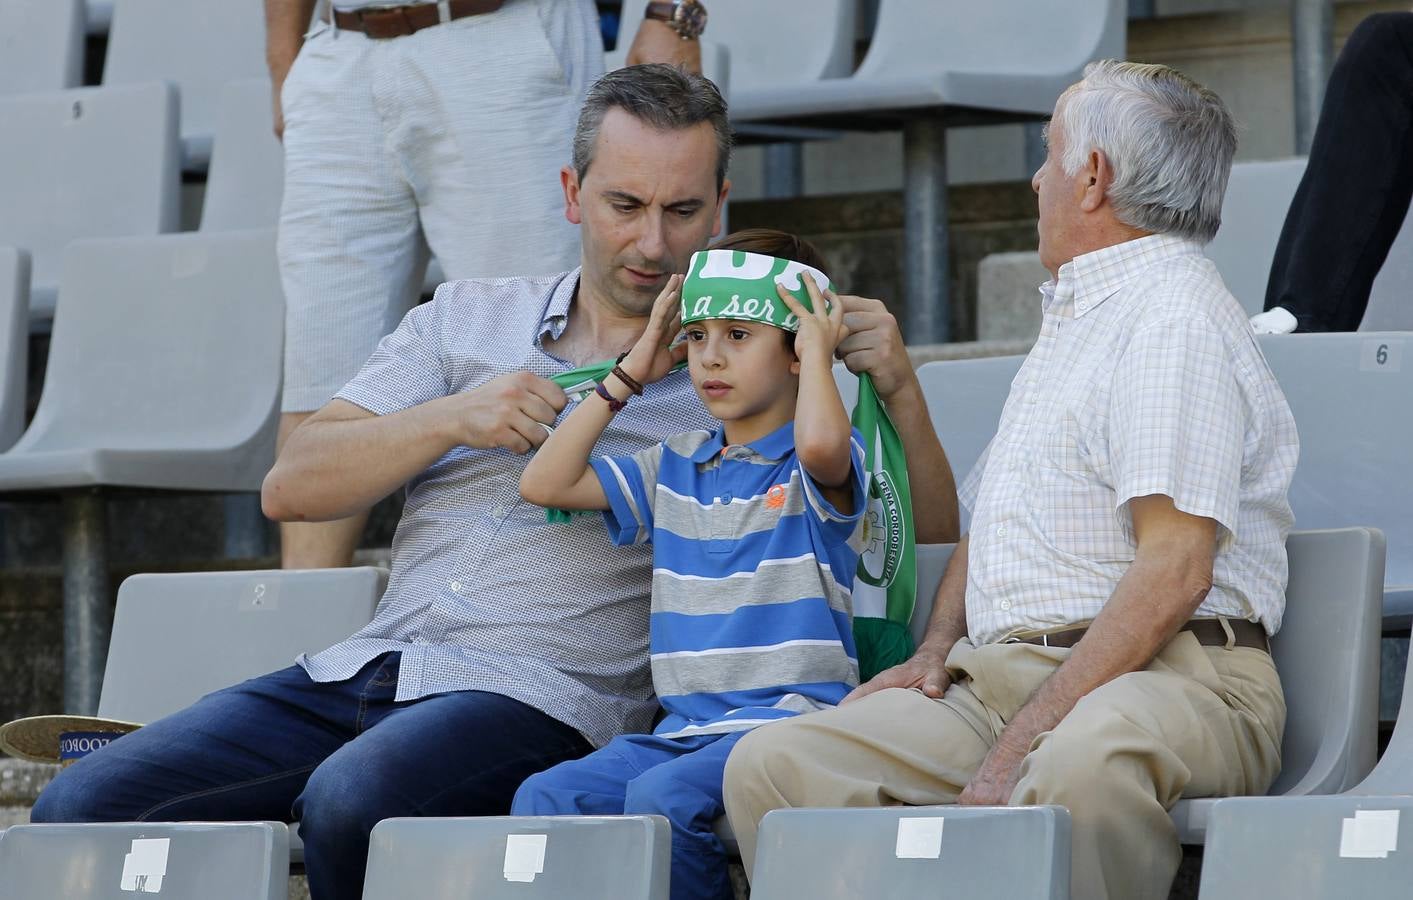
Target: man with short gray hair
1100, 638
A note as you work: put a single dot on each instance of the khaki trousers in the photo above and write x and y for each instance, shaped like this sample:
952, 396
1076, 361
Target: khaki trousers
1198, 722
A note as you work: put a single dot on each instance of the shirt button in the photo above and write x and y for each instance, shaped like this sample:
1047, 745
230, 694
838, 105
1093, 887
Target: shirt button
1082, 306
725, 498
1005, 604
455, 586
1000, 530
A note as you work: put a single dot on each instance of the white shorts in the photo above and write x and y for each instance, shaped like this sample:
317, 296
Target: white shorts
450, 138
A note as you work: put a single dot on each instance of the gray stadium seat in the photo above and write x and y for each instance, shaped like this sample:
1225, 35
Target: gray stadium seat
1253, 213
912, 853
964, 398
1311, 846
821, 43
177, 637
527, 858
1327, 653
14, 342
246, 178
41, 45
163, 373
196, 46
229, 861
86, 163
1355, 414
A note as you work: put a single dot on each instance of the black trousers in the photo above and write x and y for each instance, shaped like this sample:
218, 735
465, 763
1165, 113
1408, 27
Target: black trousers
1356, 189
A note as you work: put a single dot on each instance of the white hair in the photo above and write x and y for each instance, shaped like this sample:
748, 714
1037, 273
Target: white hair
1168, 140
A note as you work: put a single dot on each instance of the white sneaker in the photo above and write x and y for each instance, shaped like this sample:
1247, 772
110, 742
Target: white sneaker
1273, 321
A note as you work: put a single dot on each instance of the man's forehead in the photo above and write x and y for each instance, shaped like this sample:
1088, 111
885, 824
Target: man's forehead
629, 149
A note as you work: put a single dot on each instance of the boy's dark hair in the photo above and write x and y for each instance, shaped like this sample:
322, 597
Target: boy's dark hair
780, 244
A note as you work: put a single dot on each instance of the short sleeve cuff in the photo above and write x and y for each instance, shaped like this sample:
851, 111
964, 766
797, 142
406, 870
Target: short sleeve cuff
824, 511
624, 516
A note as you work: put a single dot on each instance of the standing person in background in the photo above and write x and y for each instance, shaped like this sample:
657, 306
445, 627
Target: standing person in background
1356, 189
435, 126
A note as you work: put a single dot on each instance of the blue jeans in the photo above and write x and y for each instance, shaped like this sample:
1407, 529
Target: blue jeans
337, 757
642, 774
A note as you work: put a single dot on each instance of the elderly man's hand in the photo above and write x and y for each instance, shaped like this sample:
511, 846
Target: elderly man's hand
996, 778
875, 345
926, 671
656, 42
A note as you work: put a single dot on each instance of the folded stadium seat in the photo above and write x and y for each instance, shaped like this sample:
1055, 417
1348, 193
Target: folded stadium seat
196, 46
41, 45
100, 16
1253, 212
180, 636
919, 851
163, 374
934, 63
526, 858
228, 861
246, 178
14, 342
85, 163
1352, 395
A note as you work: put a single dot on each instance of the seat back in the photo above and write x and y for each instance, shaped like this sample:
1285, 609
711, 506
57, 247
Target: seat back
196, 46
165, 345
932, 560
1046, 41
41, 45
821, 42
1352, 396
978, 852
177, 637
14, 342
525, 858
1253, 211
90, 162
1327, 653
965, 398
187, 861
246, 178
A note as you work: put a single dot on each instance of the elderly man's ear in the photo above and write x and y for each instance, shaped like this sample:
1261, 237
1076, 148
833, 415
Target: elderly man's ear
1098, 175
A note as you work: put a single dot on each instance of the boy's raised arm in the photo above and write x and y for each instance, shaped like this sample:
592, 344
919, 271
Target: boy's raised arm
559, 475
822, 429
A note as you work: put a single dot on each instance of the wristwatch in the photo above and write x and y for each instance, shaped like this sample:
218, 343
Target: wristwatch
686, 17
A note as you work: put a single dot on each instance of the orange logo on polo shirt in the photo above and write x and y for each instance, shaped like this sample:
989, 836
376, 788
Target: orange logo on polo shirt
775, 497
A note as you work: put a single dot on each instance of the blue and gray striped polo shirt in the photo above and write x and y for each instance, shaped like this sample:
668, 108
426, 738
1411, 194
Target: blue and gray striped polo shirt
752, 576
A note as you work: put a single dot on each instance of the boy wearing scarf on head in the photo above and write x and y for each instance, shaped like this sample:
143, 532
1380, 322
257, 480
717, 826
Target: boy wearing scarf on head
755, 530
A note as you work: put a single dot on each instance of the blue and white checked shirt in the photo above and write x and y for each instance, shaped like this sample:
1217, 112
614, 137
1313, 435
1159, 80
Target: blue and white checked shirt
485, 594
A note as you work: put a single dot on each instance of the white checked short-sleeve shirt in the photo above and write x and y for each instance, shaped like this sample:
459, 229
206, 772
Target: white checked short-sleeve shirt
1146, 379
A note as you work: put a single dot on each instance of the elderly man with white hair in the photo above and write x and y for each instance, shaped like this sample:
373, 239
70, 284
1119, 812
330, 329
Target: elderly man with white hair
1100, 639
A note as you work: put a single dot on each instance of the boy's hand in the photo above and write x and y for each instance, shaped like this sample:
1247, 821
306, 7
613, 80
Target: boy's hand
821, 328
655, 353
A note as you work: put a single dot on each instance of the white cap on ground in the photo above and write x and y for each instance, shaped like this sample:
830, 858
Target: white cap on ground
1273, 321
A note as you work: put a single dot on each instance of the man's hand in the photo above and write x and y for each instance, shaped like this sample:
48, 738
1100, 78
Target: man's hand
655, 353
277, 83
656, 42
285, 23
508, 412
926, 670
875, 345
996, 778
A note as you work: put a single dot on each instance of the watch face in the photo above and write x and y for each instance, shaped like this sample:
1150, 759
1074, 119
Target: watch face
691, 18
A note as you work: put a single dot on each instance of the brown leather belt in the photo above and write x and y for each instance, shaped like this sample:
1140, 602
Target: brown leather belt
400, 21
1209, 633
